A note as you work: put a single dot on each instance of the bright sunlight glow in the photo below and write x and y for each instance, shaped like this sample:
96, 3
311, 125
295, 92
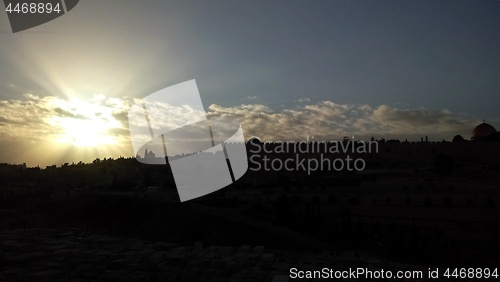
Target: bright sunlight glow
85, 132
84, 124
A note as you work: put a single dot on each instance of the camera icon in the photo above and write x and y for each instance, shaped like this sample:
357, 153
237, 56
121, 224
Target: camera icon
171, 127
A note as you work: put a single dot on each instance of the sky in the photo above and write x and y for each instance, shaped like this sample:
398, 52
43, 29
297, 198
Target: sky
285, 69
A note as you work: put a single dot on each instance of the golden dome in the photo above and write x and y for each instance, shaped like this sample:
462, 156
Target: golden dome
483, 131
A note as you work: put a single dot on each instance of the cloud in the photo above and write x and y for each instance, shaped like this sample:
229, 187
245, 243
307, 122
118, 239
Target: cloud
331, 121
44, 130
42, 121
421, 121
303, 100
42, 118
39, 118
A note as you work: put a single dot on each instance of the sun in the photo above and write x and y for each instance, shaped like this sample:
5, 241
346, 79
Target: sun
86, 133
83, 124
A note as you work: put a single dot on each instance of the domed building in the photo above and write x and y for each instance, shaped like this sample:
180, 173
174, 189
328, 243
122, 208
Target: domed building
483, 132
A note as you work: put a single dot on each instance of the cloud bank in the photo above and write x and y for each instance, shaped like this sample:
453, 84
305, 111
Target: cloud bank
331, 121
32, 125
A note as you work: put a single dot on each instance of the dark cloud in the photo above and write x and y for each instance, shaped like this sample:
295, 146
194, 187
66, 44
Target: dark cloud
63, 113
121, 116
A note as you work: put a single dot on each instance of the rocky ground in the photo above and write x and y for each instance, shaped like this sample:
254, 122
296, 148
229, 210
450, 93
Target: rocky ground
70, 255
